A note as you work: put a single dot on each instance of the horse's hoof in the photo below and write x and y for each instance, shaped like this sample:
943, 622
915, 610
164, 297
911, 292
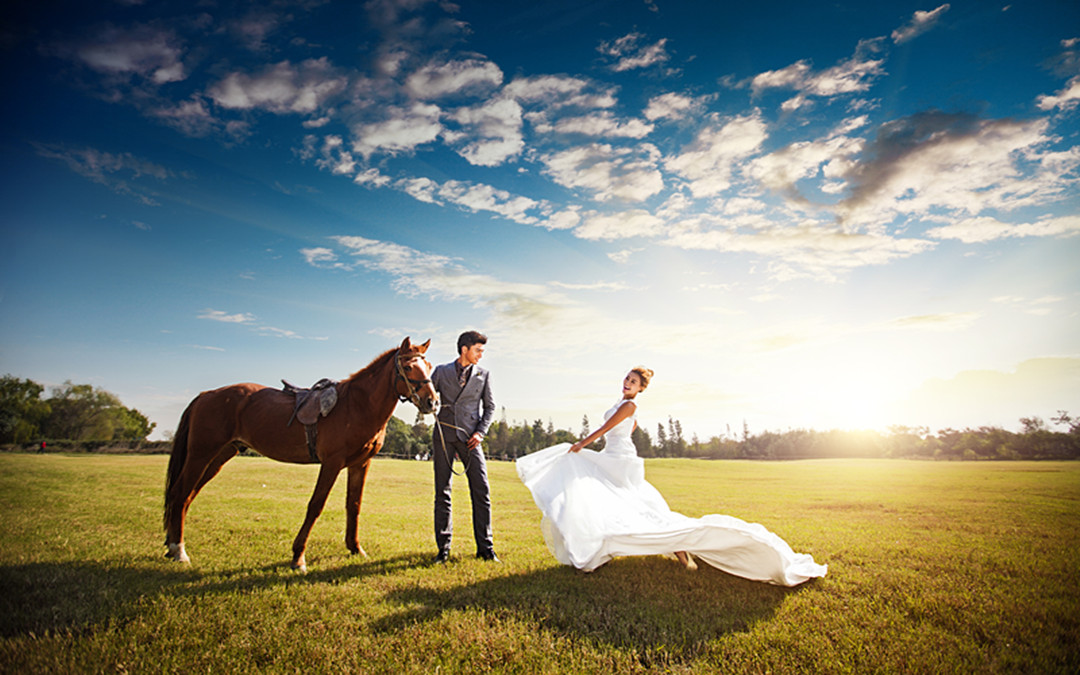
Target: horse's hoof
299, 565
176, 552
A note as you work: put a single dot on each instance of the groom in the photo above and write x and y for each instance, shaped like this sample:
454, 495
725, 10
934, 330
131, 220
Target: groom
466, 413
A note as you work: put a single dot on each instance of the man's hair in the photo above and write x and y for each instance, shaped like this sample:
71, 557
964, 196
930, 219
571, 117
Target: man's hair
470, 338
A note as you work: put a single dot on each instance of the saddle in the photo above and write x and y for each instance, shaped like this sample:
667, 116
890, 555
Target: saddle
311, 404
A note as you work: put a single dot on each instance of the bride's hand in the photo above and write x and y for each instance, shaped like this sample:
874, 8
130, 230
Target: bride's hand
576, 447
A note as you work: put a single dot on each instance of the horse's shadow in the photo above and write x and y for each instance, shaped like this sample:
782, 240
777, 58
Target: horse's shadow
643, 603
50, 598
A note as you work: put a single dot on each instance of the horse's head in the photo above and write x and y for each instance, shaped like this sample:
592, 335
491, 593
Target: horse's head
413, 377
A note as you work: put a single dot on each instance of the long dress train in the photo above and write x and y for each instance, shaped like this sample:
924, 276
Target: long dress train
598, 505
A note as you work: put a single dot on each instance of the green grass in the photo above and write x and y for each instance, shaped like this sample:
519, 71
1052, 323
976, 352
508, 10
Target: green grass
933, 567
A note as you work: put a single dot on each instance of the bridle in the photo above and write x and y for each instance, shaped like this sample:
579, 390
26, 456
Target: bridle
414, 385
414, 398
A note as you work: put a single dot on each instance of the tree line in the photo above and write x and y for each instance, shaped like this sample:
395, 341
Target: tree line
1036, 440
92, 416
74, 412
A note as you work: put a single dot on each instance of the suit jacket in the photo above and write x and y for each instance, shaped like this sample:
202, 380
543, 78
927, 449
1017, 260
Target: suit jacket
472, 409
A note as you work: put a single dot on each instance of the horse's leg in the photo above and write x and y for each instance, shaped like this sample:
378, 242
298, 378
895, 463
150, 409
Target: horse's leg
227, 453
357, 479
188, 486
327, 475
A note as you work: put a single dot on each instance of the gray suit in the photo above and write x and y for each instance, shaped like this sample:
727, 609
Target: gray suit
471, 410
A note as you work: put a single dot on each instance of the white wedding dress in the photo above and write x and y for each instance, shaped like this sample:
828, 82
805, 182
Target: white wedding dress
598, 505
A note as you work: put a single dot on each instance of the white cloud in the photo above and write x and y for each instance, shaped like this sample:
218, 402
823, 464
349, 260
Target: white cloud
781, 170
622, 257
280, 88
630, 54
601, 123
623, 225
1066, 99
319, 257
707, 163
255, 27
606, 286
491, 132
563, 219
672, 106
190, 117
330, 154
921, 22
943, 322
146, 51
117, 171
436, 80
608, 172
415, 273
402, 130
807, 249
224, 317
557, 92
853, 75
790, 77
984, 229
372, 178
479, 197
954, 162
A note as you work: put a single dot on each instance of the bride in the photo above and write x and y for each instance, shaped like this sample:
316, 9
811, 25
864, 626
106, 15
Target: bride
598, 505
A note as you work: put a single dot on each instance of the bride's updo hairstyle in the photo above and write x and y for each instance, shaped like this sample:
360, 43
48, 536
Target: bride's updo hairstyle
644, 373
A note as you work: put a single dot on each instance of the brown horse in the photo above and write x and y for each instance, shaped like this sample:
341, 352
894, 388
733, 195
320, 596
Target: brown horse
218, 424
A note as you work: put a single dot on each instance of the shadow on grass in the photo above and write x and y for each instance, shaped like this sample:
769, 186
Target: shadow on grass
50, 598
71, 597
649, 604
646, 603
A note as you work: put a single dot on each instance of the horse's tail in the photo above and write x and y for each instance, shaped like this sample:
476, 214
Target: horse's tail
176, 462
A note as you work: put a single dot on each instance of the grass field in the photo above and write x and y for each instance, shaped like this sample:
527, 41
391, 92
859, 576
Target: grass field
933, 568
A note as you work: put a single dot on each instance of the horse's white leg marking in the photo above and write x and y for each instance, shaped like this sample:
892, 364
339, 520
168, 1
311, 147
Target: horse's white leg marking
177, 553
300, 565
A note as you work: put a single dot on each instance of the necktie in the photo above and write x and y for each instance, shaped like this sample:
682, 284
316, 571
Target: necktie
463, 377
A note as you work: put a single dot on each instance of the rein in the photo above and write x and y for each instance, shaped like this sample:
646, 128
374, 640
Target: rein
442, 442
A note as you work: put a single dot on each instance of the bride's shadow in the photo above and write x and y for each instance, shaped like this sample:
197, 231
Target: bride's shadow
646, 603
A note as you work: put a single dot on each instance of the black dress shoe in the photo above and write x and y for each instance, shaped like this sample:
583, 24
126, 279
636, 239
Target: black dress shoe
489, 556
443, 556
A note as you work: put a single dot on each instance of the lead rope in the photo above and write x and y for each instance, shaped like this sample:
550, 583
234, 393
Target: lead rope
464, 460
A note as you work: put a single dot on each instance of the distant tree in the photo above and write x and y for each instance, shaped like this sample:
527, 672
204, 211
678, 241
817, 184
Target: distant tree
130, 424
1032, 424
421, 436
22, 411
661, 440
1065, 419
642, 442
676, 442
80, 413
539, 433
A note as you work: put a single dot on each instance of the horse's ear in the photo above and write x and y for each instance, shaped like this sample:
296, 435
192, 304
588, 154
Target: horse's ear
406, 344
423, 347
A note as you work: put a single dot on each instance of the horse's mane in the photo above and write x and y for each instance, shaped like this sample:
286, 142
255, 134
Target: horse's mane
374, 367
377, 364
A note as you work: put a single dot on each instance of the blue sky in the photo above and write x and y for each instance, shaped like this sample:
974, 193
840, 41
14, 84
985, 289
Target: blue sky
842, 215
